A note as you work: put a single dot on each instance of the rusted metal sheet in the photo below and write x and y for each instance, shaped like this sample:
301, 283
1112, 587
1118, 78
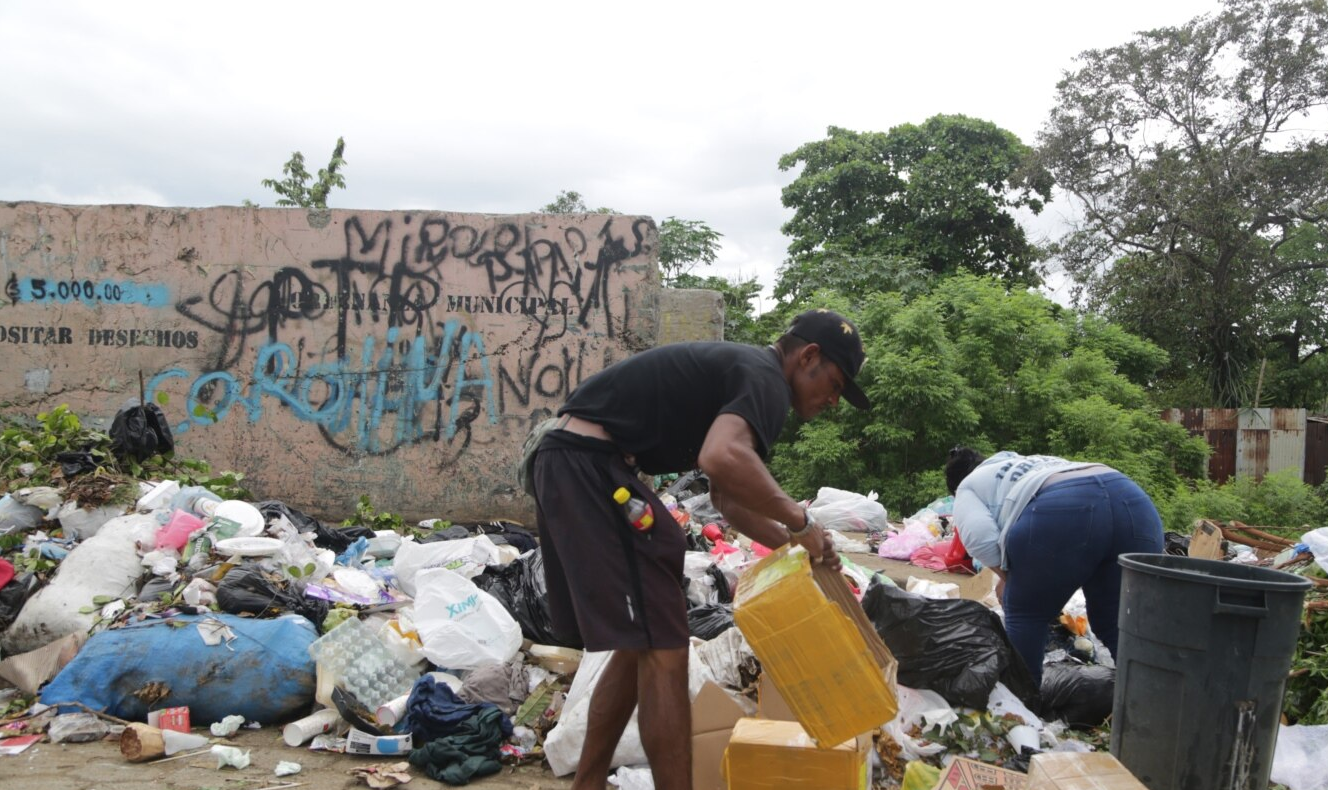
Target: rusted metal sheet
1222, 463
1286, 442
1252, 443
1316, 450
1255, 442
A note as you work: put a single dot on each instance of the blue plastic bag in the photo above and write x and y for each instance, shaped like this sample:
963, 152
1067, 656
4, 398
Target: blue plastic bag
264, 674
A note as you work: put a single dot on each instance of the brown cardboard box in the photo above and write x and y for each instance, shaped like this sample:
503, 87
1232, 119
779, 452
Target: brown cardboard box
779, 755
770, 704
817, 646
965, 774
714, 713
1075, 771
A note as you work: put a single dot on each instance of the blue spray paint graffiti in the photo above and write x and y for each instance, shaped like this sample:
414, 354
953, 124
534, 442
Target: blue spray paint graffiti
41, 289
359, 399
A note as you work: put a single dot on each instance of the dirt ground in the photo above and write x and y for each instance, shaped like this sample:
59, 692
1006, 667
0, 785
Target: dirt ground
99, 766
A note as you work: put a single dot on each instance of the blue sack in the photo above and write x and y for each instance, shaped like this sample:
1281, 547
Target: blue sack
264, 674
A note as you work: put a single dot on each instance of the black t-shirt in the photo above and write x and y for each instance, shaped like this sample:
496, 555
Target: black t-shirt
658, 405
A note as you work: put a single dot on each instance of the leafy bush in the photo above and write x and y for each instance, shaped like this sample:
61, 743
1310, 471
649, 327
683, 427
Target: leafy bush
1306, 700
1279, 500
972, 363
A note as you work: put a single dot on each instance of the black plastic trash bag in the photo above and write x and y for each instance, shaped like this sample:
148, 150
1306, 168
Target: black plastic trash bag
721, 584
709, 620
336, 539
957, 648
75, 462
1081, 695
246, 590
140, 432
519, 586
499, 532
14, 595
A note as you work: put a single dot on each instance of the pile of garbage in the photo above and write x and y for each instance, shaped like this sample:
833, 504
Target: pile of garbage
184, 609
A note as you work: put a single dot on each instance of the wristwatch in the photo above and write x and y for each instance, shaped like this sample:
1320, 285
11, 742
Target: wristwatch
807, 524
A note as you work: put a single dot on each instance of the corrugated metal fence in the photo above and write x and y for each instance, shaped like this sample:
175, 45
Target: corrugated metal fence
1254, 442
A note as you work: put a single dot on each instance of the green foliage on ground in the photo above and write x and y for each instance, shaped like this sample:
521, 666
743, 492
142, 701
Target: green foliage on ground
31, 450
1280, 500
1306, 700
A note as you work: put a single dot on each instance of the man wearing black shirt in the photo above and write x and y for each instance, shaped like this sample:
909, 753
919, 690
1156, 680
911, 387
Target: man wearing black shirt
716, 406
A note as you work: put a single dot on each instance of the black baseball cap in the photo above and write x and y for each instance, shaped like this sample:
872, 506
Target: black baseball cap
839, 342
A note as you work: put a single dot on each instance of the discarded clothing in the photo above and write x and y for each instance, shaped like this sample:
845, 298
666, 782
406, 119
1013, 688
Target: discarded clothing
434, 711
503, 685
471, 751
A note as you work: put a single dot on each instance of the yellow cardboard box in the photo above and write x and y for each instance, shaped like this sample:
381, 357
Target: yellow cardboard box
816, 644
764, 754
1075, 771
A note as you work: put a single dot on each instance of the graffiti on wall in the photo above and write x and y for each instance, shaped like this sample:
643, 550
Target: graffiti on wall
379, 349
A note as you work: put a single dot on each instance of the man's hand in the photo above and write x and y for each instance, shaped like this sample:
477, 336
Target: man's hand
820, 546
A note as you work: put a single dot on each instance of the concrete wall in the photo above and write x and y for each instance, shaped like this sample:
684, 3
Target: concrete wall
329, 354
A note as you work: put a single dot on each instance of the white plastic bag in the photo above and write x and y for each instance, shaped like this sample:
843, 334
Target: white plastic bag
919, 708
1317, 540
16, 517
106, 564
1298, 757
562, 747
82, 523
460, 625
467, 557
848, 512
633, 777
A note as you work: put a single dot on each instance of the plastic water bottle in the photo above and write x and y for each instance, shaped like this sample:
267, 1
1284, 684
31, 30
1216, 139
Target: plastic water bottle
639, 512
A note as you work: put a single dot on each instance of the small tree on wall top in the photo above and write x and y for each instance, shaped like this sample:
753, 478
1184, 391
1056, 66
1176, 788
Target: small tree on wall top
295, 189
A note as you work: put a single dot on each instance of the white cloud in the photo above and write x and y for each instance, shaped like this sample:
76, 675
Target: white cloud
682, 109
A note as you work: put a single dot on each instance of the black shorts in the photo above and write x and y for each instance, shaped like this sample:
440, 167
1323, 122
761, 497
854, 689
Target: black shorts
611, 587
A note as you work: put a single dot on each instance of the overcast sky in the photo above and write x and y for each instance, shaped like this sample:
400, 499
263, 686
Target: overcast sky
667, 109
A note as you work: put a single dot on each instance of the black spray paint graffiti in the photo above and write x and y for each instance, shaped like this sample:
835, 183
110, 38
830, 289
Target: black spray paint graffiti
417, 373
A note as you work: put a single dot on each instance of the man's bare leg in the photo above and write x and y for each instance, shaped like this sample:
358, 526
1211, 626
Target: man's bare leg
611, 706
665, 718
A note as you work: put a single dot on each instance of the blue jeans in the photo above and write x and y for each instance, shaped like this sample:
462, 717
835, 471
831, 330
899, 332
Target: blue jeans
1069, 537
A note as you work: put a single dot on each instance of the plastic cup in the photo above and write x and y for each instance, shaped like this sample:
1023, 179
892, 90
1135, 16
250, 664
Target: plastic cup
392, 712
302, 730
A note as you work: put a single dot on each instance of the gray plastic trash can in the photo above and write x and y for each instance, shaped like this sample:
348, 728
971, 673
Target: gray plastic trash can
1202, 663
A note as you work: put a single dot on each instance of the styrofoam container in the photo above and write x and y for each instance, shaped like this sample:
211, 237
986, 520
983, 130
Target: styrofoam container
246, 515
249, 547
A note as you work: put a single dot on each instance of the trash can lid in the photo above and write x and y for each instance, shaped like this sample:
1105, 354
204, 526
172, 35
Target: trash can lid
1215, 572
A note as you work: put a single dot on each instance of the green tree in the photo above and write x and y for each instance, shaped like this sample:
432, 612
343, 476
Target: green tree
974, 364
685, 244
1182, 150
570, 202
877, 211
295, 189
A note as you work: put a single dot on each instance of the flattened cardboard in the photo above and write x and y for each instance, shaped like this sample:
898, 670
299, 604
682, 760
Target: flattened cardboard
965, 774
770, 702
714, 714
1206, 542
1075, 771
817, 646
